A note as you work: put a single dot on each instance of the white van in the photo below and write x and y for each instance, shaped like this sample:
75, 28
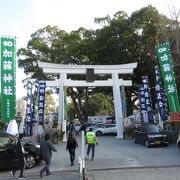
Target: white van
99, 119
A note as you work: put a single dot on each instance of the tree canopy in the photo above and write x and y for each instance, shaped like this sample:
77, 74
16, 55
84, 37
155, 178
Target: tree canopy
121, 39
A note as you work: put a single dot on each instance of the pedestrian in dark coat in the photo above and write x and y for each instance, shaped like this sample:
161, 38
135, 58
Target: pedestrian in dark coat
83, 128
71, 147
21, 157
46, 149
71, 127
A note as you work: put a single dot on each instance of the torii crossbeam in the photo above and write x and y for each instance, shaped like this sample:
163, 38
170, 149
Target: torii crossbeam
115, 82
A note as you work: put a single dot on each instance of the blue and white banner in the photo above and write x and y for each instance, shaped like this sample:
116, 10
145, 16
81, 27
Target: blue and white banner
143, 110
159, 96
148, 101
145, 101
29, 118
41, 101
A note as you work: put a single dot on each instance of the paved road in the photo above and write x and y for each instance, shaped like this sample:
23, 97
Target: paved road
111, 154
137, 174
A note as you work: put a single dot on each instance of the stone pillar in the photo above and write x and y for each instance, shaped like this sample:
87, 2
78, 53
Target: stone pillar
117, 106
61, 119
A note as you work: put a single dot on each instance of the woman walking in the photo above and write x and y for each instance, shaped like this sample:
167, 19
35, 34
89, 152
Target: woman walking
71, 147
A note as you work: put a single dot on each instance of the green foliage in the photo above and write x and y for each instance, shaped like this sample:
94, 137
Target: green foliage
50, 105
101, 104
121, 39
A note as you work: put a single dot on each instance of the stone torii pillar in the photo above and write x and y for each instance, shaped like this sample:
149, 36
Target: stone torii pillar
63, 77
118, 105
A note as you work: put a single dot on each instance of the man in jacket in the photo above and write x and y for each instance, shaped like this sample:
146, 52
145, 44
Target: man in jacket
21, 157
46, 149
91, 140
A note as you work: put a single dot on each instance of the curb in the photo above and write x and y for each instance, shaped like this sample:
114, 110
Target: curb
133, 167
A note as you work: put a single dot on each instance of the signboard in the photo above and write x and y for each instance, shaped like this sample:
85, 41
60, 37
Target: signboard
8, 65
164, 56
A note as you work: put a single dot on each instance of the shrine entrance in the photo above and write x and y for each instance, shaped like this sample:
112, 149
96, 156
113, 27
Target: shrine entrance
113, 70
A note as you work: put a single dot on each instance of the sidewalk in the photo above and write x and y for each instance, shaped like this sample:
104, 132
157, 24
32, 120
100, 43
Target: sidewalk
54, 176
110, 154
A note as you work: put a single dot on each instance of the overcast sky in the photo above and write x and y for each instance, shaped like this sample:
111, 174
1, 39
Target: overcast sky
21, 18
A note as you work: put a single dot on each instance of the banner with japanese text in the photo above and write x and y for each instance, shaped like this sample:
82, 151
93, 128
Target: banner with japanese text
145, 101
143, 110
8, 67
160, 97
165, 61
29, 111
41, 101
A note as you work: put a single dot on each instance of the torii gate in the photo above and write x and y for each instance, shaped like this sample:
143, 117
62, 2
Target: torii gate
115, 82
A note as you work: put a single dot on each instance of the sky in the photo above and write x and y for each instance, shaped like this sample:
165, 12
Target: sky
21, 18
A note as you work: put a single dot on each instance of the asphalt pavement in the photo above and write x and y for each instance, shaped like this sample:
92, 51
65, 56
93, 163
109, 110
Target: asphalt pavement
113, 157
165, 173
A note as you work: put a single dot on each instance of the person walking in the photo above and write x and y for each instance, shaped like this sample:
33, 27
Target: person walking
46, 149
71, 147
83, 128
71, 127
91, 140
77, 128
21, 158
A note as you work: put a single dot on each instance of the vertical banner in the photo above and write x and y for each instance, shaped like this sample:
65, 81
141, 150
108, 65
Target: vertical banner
164, 56
160, 97
145, 101
8, 65
143, 110
29, 118
41, 101
148, 103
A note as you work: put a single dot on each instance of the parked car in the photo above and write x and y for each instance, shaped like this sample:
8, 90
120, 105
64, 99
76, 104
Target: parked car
101, 129
8, 156
149, 134
92, 125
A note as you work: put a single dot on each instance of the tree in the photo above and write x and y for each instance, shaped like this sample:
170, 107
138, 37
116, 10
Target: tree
99, 104
45, 45
121, 39
50, 105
